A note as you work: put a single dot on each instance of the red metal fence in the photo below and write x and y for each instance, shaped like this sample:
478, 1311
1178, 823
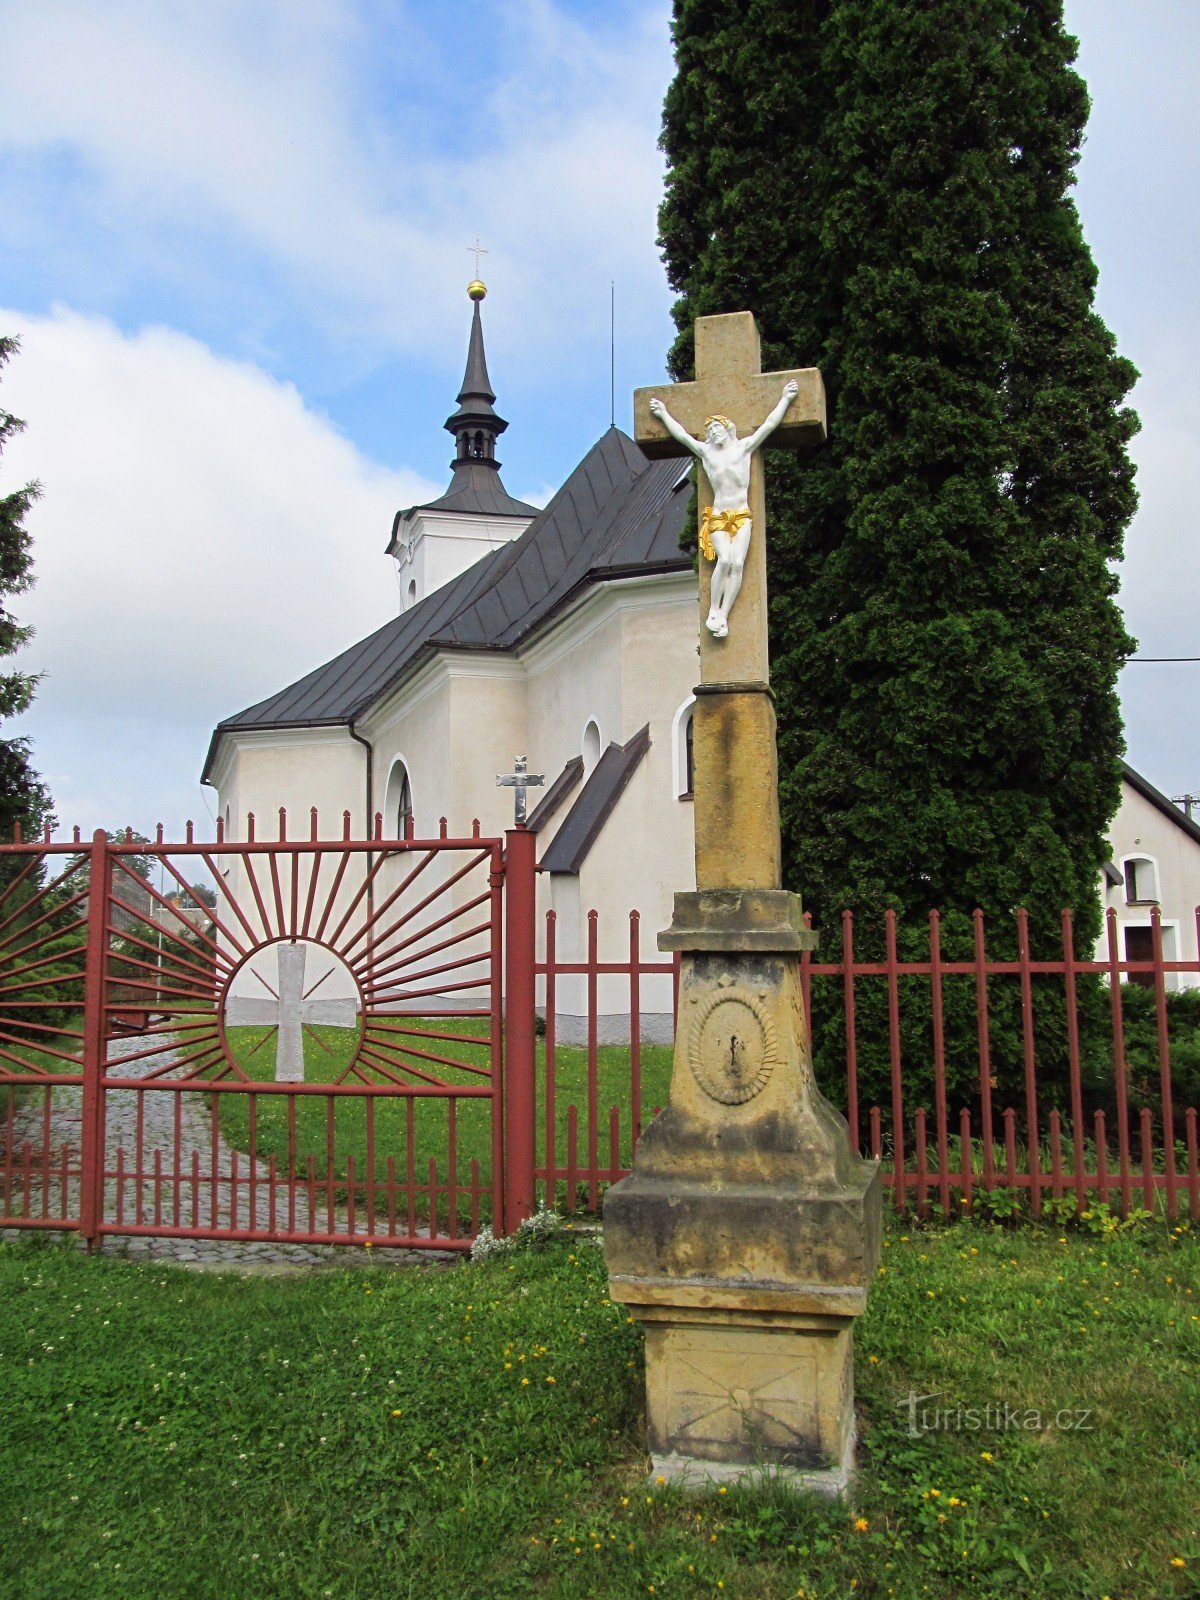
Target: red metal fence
316, 1057
344, 1047
965, 1076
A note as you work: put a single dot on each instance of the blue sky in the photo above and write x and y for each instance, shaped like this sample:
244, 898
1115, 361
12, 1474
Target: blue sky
234, 239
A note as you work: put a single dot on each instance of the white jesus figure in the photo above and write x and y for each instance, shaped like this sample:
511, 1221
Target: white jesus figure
726, 525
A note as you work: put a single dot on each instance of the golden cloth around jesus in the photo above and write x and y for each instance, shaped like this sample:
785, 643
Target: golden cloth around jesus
730, 522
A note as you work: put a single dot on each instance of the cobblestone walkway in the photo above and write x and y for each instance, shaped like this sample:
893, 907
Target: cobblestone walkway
186, 1191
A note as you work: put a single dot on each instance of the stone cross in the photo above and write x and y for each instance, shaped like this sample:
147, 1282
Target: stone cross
520, 780
291, 1012
730, 382
733, 725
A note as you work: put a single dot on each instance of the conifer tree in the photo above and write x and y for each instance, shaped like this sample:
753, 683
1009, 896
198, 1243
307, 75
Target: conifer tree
24, 798
886, 184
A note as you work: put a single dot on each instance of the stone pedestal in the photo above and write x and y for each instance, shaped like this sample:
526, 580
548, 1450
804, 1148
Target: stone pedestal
747, 1235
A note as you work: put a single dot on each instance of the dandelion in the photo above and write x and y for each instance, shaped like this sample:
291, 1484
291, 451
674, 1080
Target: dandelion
660, 1480
722, 1490
874, 1361
985, 1455
1178, 1561
861, 1524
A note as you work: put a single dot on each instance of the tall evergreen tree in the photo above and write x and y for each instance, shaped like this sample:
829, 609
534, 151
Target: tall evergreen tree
24, 798
886, 184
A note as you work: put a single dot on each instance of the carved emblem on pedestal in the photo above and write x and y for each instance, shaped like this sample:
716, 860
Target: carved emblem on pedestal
732, 1047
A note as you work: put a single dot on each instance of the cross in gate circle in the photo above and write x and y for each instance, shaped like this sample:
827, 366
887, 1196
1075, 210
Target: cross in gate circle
294, 1011
520, 780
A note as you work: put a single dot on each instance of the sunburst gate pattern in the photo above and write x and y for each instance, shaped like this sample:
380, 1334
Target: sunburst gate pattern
291, 1039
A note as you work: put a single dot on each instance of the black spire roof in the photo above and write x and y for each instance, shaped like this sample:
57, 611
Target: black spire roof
475, 487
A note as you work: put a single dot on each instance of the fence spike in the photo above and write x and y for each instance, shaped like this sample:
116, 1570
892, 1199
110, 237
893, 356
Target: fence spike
76, 836
220, 830
17, 833
312, 823
442, 828
345, 824
249, 827
379, 824
158, 834
282, 823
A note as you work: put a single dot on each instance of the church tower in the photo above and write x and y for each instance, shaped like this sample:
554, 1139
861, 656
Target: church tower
434, 543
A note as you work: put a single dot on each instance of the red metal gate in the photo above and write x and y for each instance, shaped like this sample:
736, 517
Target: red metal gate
316, 1057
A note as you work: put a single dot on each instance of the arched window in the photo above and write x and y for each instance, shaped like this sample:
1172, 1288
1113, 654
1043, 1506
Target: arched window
683, 760
412, 591
398, 806
591, 746
1141, 880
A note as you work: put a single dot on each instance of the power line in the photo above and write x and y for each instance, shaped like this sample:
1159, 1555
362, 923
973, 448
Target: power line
1139, 660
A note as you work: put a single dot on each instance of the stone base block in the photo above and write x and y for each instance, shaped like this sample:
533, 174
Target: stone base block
729, 1395
685, 1472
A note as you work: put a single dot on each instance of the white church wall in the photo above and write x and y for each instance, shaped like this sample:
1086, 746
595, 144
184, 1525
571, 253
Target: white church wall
1141, 833
624, 658
456, 724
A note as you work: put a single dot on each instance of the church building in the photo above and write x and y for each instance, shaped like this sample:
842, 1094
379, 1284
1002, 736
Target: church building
567, 635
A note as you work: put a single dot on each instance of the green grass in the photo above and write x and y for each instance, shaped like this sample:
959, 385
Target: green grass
328, 1053
370, 1434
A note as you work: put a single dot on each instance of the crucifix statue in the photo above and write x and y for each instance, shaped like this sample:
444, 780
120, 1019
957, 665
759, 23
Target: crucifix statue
726, 524
746, 1236
724, 419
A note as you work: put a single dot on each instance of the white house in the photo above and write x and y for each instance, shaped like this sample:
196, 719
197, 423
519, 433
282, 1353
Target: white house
1155, 862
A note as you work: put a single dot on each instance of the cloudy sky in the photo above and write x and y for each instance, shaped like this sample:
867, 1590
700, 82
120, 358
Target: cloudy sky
233, 241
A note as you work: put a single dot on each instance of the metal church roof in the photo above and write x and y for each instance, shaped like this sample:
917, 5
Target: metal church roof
617, 515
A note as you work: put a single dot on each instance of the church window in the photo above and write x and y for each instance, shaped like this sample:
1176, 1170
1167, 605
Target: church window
1141, 881
398, 812
412, 591
591, 745
683, 758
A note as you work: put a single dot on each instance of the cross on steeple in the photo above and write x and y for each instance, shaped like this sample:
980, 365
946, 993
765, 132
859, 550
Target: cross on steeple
478, 250
520, 780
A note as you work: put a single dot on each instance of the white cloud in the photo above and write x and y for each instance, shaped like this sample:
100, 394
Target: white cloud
257, 120
202, 540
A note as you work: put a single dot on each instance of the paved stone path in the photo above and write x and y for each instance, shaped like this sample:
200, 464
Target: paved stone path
195, 1134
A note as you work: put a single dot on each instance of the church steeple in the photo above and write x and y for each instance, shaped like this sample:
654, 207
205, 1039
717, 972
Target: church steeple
435, 541
476, 425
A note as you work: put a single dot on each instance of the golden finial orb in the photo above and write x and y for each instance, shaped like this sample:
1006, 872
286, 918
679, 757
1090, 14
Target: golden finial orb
477, 289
